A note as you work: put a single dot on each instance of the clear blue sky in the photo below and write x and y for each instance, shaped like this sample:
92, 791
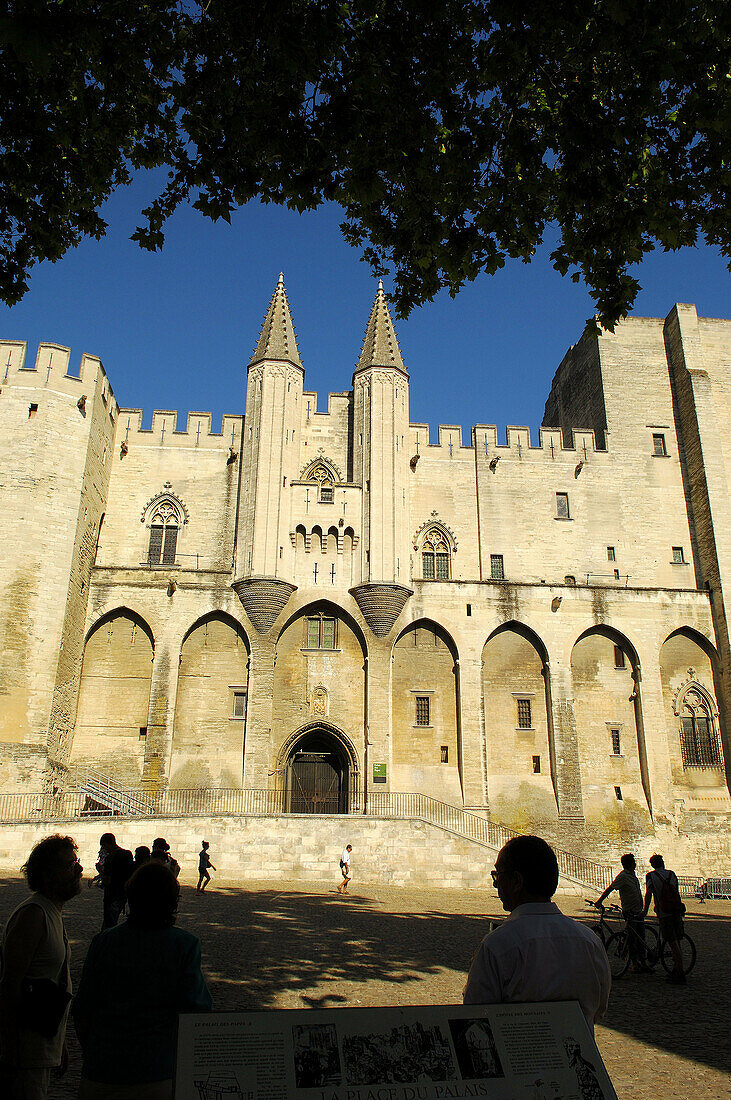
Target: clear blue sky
176, 329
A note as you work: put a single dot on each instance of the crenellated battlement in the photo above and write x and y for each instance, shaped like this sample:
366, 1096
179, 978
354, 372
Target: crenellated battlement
164, 430
50, 370
336, 403
518, 441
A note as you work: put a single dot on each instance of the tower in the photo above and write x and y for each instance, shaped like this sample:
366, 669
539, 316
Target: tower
270, 451
381, 466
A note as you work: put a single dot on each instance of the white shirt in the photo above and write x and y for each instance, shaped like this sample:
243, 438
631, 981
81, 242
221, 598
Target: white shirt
538, 954
346, 857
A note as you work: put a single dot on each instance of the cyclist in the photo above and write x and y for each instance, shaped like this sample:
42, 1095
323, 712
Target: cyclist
630, 898
662, 886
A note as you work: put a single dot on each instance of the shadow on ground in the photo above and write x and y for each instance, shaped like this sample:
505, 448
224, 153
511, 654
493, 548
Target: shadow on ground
269, 948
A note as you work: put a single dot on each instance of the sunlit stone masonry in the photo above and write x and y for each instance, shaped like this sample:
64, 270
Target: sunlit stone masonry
331, 605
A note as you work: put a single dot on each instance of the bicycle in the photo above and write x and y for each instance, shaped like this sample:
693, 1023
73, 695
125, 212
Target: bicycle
625, 943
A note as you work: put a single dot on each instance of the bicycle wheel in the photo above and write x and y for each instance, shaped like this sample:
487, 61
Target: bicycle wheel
687, 951
617, 953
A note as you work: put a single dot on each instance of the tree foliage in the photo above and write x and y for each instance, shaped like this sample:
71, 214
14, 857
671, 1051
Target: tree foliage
451, 134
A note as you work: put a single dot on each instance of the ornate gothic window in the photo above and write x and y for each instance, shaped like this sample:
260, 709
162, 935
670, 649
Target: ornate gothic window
325, 478
699, 741
435, 556
163, 536
164, 515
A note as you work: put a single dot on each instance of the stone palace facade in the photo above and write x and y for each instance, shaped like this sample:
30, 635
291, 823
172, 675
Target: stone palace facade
330, 604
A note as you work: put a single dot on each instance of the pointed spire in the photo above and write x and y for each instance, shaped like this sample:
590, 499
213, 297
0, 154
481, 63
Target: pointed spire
277, 338
380, 345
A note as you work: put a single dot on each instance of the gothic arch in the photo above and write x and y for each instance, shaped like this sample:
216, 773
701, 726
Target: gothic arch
207, 748
326, 607
525, 632
436, 525
306, 728
168, 502
425, 706
517, 721
221, 616
606, 675
116, 612
321, 469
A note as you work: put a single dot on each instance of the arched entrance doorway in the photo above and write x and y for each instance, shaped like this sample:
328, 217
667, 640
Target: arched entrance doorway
318, 774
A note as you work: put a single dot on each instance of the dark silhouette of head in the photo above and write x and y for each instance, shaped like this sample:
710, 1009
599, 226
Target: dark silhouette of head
152, 896
160, 844
657, 862
526, 870
107, 842
142, 855
628, 861
52, 868
205, 844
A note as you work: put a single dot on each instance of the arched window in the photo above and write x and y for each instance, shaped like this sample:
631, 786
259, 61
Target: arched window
436, 556
163, 535
325, 478
699, 741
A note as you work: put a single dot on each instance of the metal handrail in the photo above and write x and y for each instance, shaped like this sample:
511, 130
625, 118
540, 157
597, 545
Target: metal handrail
87, 801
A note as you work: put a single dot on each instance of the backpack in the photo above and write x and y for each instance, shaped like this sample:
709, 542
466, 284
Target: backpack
669, 900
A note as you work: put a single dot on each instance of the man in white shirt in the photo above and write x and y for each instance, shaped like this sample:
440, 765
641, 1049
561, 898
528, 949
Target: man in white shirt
537, 954
345, 869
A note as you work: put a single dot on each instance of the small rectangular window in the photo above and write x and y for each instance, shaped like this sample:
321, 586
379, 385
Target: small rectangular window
658, 444
618, 657
143, 733
469, 609
239, 704
616, 744
327, 494
562, 506
618, 793
442, 566
444, 754
524, 714
32, 410
497, 569
536, 765
678, 555
570, 580
616, 574
611, 554
422, 710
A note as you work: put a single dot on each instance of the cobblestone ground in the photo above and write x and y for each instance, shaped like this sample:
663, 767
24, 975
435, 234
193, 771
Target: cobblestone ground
300, 945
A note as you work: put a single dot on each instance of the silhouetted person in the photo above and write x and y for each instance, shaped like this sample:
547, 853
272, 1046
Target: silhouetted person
35, 988
630, 898
161, 853
118, 866
142, 855
537, 954
137, 977
204, 862
661, 884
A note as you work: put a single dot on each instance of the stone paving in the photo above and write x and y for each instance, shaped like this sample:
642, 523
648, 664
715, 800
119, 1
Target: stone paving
294, 945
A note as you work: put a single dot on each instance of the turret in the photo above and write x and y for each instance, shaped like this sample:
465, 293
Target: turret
270, 459
381, 466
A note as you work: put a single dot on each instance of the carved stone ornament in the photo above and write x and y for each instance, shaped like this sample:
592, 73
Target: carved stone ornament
167, 504
319, 702
435, 528
263, 599
381, 605
321, 470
